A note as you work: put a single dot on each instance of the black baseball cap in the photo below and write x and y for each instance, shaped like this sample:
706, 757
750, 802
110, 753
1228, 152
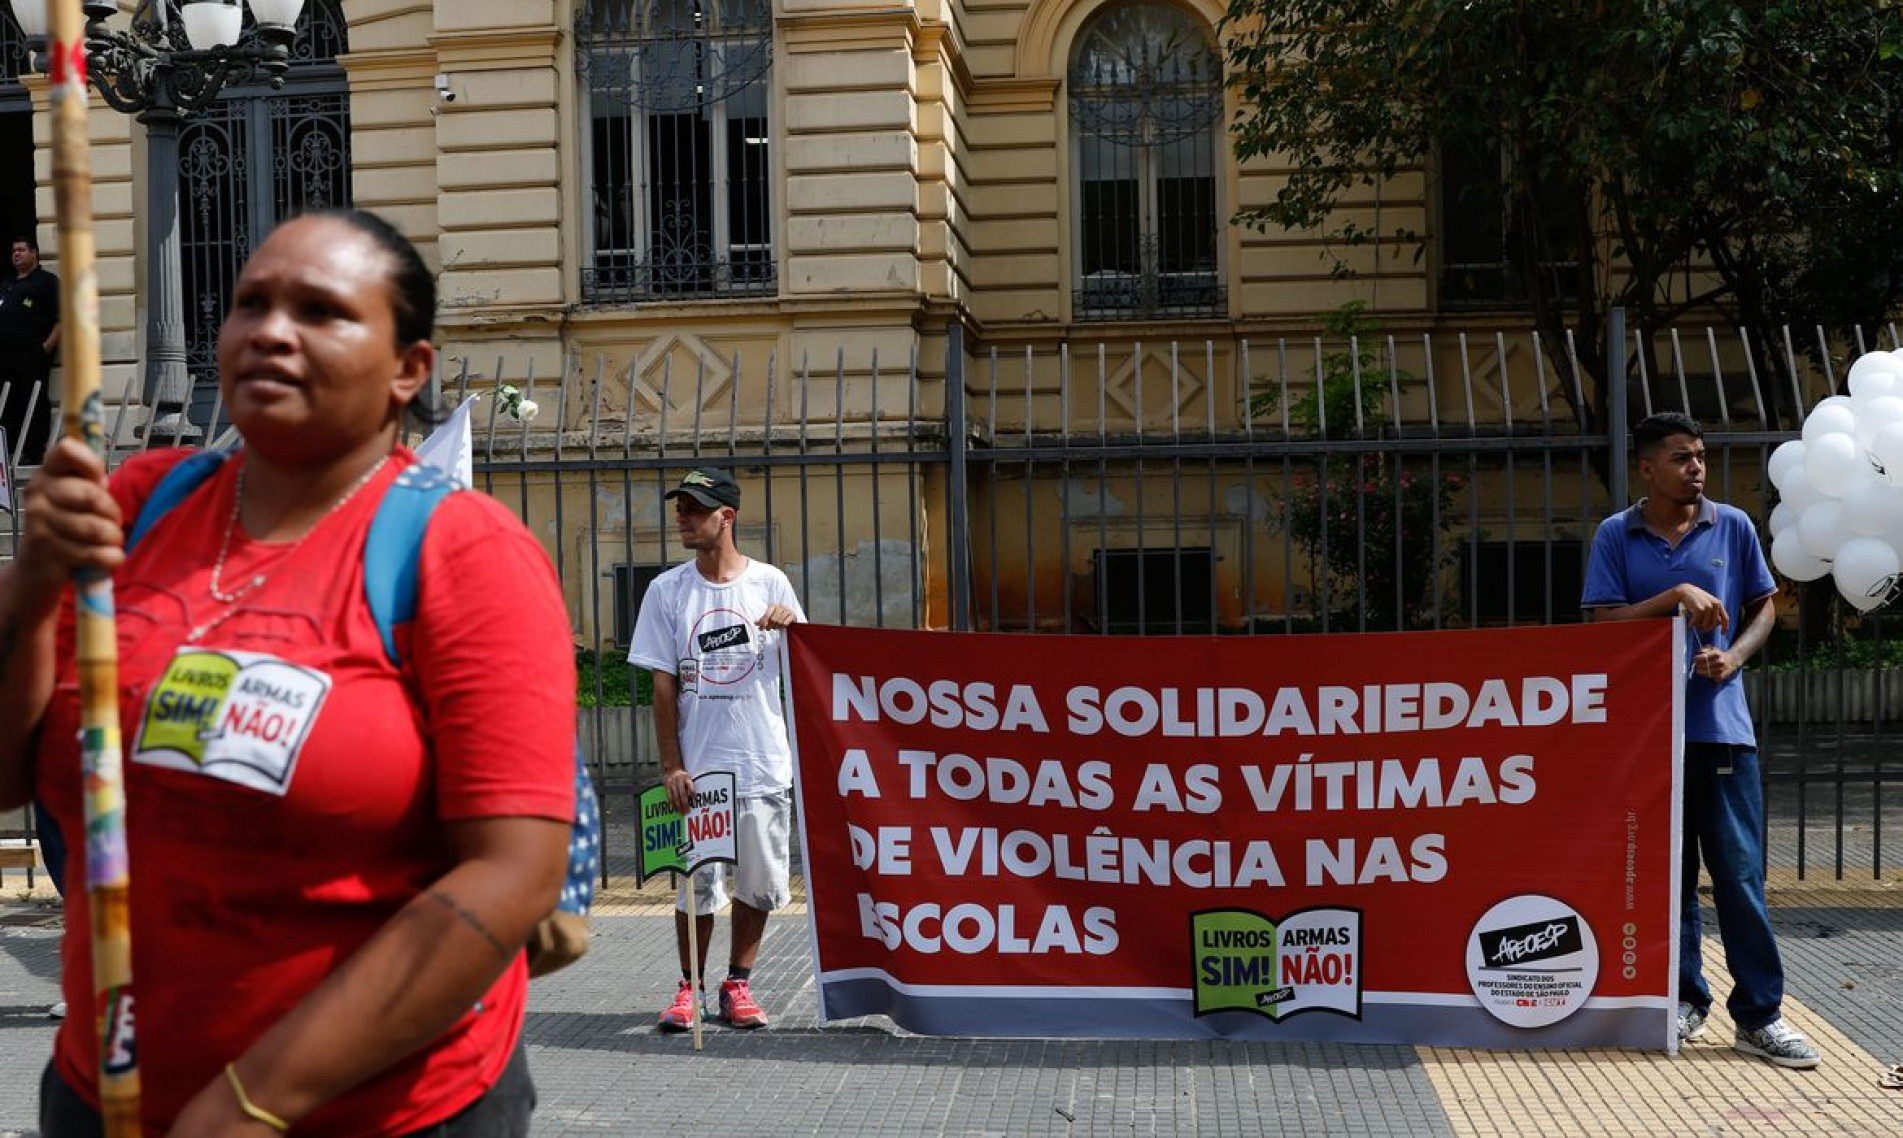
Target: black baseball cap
708, 486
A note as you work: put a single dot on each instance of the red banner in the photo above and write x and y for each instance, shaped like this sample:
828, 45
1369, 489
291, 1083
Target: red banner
1460, 837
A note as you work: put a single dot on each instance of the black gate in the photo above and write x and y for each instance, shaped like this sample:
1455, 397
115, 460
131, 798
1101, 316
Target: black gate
248, 161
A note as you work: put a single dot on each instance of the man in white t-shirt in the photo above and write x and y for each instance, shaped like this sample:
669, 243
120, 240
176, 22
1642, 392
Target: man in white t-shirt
708, 631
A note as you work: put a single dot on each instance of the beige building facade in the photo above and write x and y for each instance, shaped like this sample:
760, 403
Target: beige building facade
917, 164
752, 213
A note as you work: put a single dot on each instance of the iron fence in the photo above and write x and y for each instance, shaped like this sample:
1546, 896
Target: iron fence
1221, 487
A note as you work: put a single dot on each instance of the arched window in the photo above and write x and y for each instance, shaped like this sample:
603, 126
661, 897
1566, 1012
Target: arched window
247, 162
1145, 88
678, 147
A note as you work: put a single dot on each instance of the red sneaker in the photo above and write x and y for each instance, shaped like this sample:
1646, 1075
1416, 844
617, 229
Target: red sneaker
737, 1006
679, 1015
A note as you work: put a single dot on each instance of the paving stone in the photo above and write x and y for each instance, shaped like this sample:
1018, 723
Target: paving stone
602, 1069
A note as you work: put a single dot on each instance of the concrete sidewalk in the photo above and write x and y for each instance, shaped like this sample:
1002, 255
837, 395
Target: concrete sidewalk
602, 1069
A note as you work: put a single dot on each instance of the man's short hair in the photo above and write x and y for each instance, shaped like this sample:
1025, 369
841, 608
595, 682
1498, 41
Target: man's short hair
28, 240
1655, 429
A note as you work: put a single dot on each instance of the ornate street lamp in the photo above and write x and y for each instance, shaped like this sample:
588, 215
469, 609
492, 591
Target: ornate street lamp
173, 60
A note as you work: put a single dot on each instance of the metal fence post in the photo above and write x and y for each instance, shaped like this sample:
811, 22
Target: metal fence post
958, 518
1618, 430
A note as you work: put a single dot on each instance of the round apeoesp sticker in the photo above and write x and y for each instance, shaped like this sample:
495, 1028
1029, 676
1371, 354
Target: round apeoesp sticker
1532, 960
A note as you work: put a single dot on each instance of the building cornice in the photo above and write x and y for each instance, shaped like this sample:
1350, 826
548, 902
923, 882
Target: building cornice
938, 41
1003, 96
707, 317
514, 47
830, 31
387, 68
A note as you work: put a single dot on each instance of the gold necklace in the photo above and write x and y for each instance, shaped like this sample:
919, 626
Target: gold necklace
231, 525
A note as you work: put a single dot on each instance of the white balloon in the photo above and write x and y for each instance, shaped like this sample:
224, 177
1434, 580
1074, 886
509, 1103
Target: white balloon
1823, 529
1877, 385
1828, 419
1793, 560
1798, 493
1886, 447
1873, 507
1787, 455
1834, 462
1865, 569
1783, 518
1843, 401
1870, 364
1877, 414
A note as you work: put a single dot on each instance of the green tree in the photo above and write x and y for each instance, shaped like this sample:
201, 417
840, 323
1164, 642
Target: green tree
1764, 140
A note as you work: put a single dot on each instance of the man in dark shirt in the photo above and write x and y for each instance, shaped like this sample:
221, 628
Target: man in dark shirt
29, 335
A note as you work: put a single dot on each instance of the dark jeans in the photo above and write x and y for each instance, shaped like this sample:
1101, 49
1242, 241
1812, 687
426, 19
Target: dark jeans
503, 1112
52, 846
22, 368
1724, 818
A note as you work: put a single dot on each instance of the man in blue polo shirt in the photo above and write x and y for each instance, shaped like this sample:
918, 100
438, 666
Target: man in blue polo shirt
1677, 549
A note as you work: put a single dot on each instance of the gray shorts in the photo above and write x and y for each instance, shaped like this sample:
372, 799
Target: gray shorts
761, 880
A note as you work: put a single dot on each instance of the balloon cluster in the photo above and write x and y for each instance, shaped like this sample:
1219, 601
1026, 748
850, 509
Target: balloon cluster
1840, 488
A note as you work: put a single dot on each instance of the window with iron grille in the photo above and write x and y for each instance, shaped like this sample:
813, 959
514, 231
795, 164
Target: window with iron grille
678, 149
1145, 90
13, 56
1482, 226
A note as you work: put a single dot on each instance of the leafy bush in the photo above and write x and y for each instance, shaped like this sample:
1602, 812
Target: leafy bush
1393, 507
1783, 655
618, 679
1372, 493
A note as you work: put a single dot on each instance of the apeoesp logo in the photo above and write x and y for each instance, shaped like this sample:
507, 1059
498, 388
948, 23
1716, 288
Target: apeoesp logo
1525, 944
720, 638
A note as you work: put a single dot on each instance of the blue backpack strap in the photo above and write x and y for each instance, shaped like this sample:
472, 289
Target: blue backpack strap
174, 487
393, 552
392, 556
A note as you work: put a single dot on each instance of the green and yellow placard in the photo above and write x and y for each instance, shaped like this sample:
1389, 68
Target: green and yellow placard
671, 841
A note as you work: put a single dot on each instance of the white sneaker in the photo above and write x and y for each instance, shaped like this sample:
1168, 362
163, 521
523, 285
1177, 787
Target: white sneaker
1779, 1042
57, 1011
1691, 1022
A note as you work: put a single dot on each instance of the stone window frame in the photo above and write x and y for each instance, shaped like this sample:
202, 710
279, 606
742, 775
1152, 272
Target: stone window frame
683, 235
1193, 84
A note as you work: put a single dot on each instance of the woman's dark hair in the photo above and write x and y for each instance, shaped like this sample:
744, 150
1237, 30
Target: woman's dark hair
412, 285
412, 291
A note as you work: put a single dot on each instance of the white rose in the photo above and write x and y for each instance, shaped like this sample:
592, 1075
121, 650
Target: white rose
527, 410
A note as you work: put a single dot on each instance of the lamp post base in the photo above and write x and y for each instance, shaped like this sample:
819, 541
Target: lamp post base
171, 426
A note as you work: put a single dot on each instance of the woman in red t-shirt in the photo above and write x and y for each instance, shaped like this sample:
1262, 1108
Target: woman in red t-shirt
335, 859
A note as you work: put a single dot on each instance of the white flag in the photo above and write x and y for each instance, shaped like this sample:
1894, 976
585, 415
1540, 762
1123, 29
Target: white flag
6, 475
450, 448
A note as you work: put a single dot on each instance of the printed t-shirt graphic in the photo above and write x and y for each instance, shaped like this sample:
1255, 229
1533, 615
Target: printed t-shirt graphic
704, 635
239, 716
727, 647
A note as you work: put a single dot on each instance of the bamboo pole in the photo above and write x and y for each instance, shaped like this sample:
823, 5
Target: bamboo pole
107, 865
693, 953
